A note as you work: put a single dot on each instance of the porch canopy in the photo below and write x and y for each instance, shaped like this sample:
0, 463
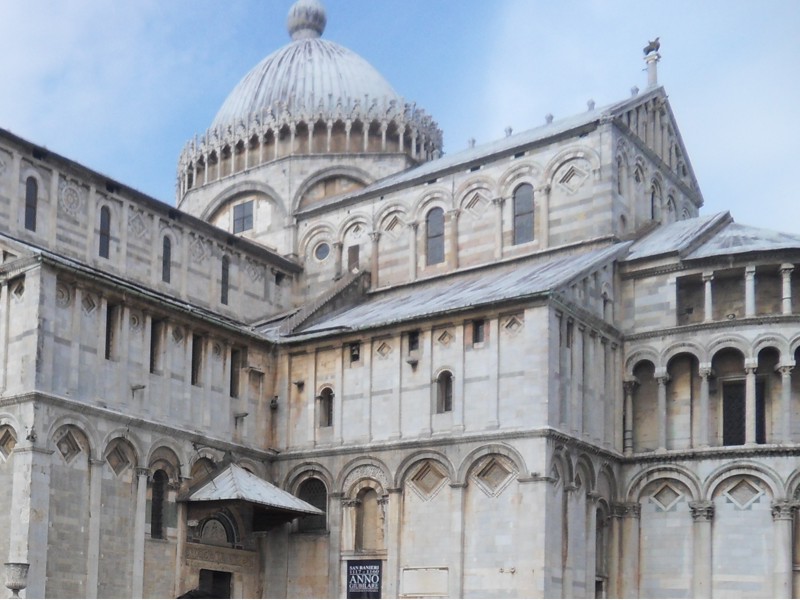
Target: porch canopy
271, 505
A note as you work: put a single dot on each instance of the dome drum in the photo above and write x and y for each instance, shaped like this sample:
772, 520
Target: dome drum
272, 135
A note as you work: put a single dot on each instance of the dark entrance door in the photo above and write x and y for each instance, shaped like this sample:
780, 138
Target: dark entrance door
218, 583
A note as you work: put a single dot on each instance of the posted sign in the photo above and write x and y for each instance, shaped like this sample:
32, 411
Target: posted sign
363, 579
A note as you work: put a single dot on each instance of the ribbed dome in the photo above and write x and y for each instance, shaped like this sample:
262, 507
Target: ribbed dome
309, 74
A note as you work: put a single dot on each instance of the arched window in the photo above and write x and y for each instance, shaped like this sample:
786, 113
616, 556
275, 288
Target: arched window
314, 492
223, 294
523, 214
31, 199
434, 236
367, 522
325, 399
444, 392
158, 500
105, 232
166, 259
655, 201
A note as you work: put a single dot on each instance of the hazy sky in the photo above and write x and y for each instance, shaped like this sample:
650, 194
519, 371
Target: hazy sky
121, 85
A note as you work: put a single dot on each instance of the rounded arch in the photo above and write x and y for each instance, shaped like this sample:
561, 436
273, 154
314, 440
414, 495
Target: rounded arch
606, 484
794, 344
475, 184
27, 171
164, 458
585, 467
11, 421
210, 454
561, 466
683, 347
86, 427
306, 470
359, 175
360, 469
351, 221
729, 341
525, 171
172, 446
254, 467
744, 467
645, 354
663, 472
261, 190
431, 199
413, 459
477, 454
793, 485
318, 232
129, 437
569, 154
384, 216
773, 340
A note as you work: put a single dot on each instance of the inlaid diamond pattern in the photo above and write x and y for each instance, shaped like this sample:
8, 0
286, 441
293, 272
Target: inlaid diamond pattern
68, 446
428, 479
666, 497
743, 493
7, 442
117, 460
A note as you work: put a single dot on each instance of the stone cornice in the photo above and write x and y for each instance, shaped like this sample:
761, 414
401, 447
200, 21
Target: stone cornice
128, 420
714, 452
681, 330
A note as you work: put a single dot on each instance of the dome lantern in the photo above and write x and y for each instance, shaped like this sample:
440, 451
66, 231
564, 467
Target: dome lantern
306, 20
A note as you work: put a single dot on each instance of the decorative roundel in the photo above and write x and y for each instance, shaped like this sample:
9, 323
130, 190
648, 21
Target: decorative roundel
322, 251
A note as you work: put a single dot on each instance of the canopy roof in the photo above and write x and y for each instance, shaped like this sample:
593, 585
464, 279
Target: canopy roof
235, 483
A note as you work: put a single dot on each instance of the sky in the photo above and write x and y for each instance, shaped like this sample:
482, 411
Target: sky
120, 86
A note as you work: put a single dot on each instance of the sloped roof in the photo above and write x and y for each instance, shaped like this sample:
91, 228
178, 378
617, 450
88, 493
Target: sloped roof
737, 239
513, 280
675, 237
235, 483
503, 145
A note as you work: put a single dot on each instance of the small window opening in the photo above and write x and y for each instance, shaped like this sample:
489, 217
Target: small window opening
166, 260
243, 217
223, 295
158, 500
434, 232
413, 341
31, 200
325, 407
352, 258
105, 232
112, 323
478, 331
156, 345
197, 359
523, 213
444, 392
355, 352
236, 365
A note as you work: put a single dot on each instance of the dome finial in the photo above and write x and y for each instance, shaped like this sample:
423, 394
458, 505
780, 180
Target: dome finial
306, 19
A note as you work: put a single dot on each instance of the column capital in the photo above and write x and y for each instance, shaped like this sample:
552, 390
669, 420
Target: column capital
142, 472
453, 213
350, 502
702, 510
413, 225
708, 276
498, 201
622, 510
787, 268
705, 371
663, 378
630, 385
750, 369
337, 245
750, 271
784, 370
782, 510
374, 235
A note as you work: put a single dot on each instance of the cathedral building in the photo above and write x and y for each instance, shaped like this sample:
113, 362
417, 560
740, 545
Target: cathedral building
344, 364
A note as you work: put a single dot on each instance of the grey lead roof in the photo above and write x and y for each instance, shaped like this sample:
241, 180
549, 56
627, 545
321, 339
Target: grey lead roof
511, 281
736, 239
674, 237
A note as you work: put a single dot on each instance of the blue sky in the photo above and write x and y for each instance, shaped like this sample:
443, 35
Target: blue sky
121, 86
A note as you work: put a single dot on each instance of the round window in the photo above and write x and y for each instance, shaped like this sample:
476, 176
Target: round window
321, 251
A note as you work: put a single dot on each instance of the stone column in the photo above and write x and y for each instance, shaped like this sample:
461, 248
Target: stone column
590, 562
750, 291
750, 404
576, 408
30, 507
138, 532
375, 237
337, 258
786, 295
390, 575
702, 515
544, 218
456, 558
627, 436
705, 373
662, 380
708, 298
348, 529
328, 139
3, 336
498, 232
93, 551
335, 511
412, 250
452, 217
782, 548
629, 513
786, 403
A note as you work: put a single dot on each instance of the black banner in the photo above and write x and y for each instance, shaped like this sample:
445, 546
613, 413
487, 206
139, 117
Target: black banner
363, 579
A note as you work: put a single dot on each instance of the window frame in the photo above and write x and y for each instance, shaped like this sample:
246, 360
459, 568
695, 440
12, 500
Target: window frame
434, 239
444, 392
243, 216
224, 280
522, 231
104, 242
166, 260
325, 400
31, 202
